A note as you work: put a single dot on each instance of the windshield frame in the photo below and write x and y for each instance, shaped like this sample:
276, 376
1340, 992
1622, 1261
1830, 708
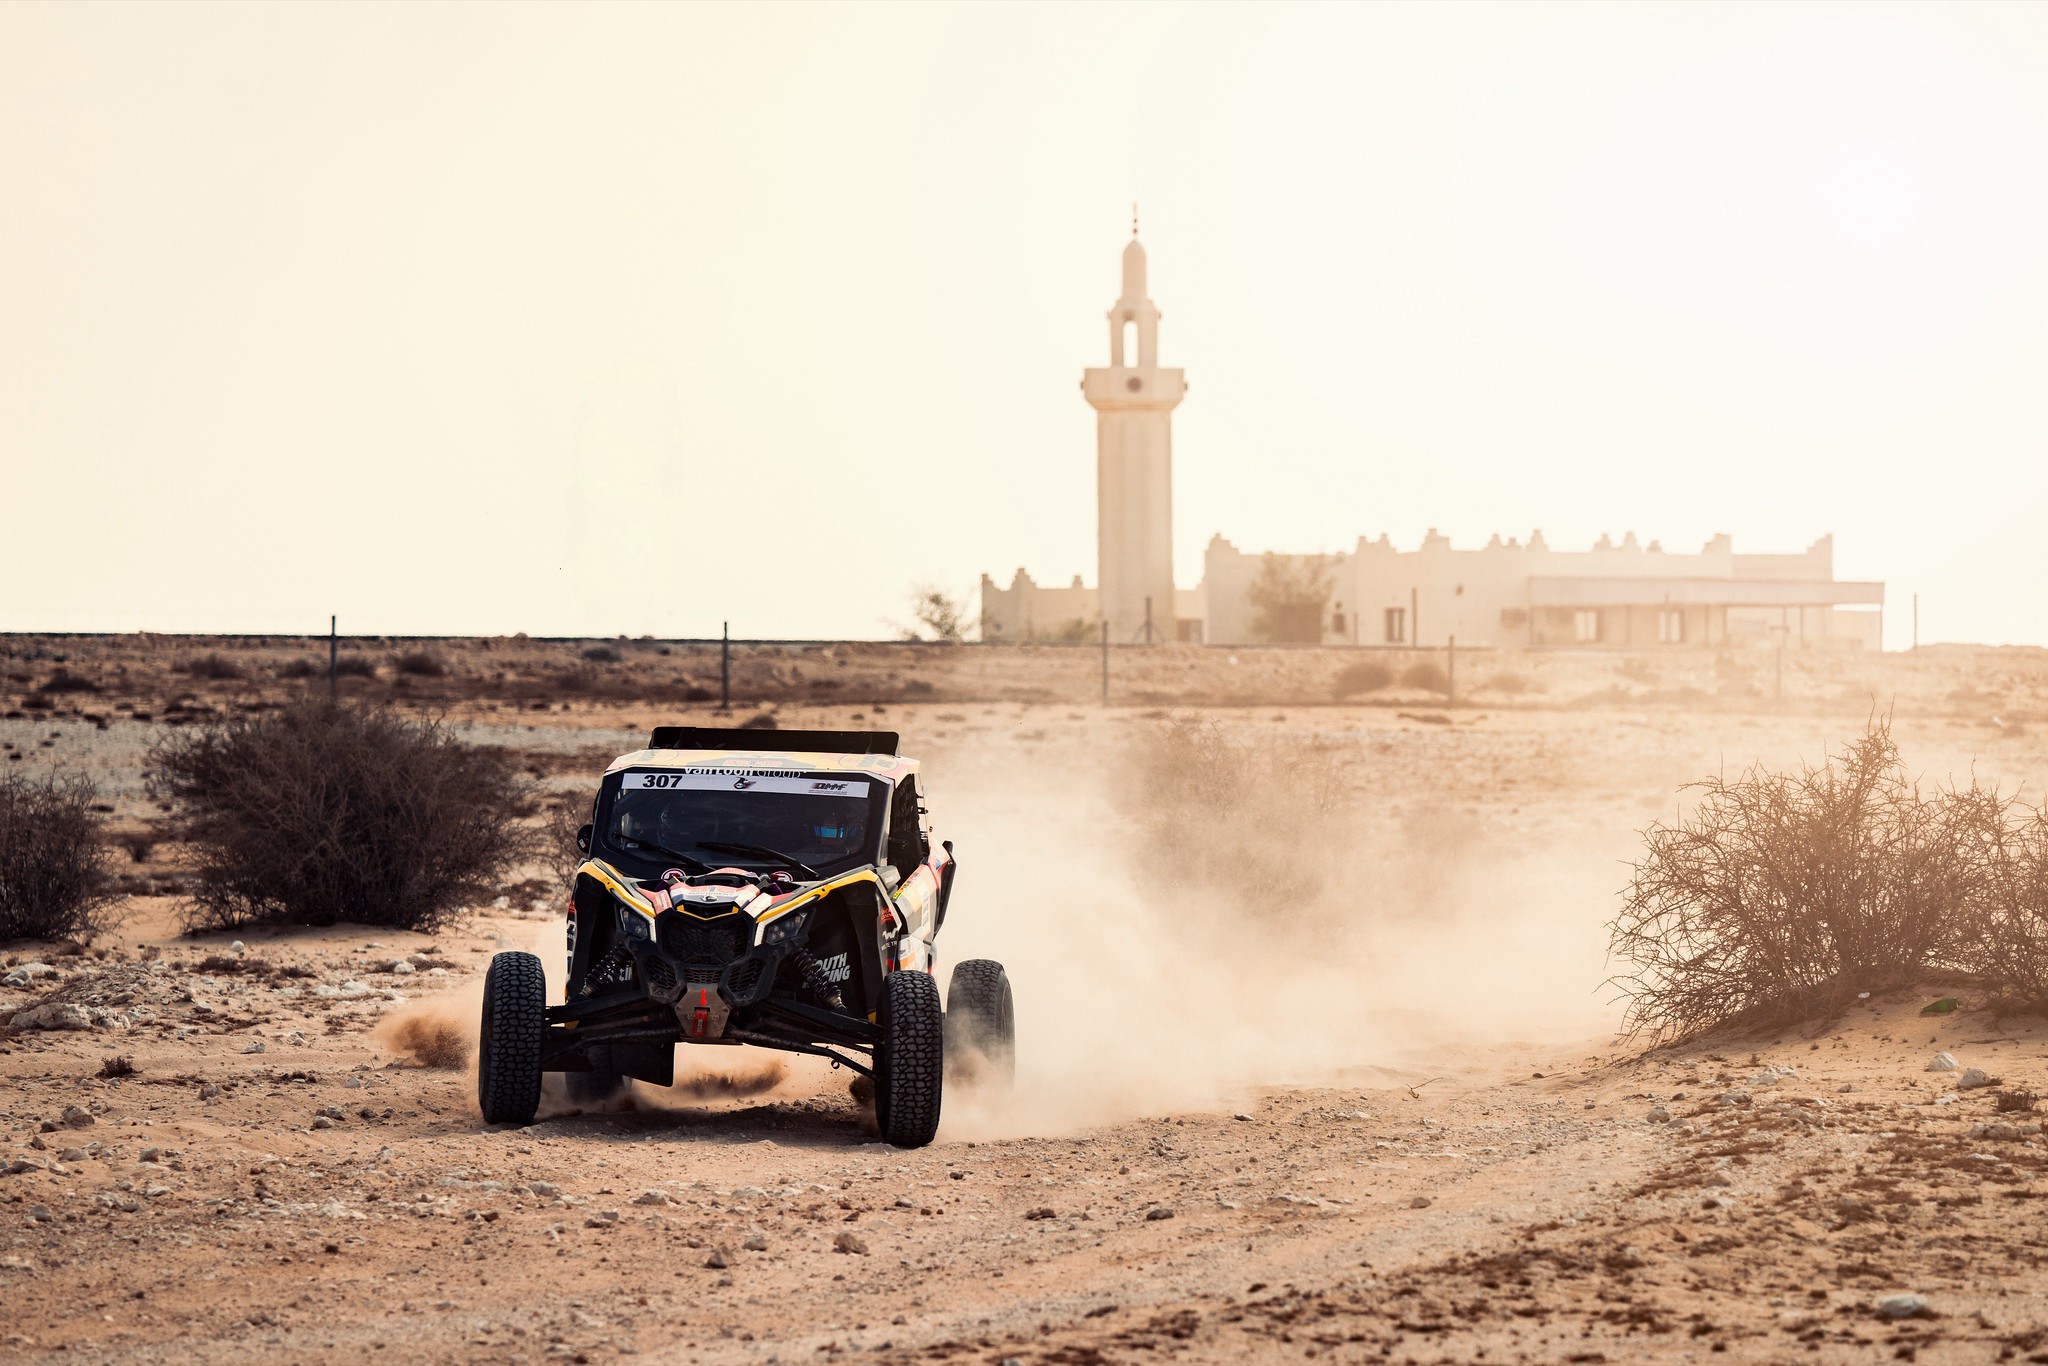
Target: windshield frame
605, 825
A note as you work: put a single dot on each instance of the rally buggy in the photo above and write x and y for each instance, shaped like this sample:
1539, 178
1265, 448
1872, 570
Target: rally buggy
774, 888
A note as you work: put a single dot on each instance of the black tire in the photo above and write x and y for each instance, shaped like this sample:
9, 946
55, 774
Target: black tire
593, 1088
910, 1060
508, 1046
981, 1026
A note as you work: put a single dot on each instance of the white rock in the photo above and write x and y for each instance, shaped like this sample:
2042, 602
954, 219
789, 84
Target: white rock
402, 967
255, 1046
238, 947
652, 1198
546, 1190
1659, 1115
1973, 1078
1943, 1062
1901, 1306
26, 973
65, 1016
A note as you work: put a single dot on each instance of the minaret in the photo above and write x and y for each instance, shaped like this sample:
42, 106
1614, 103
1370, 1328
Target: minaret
1134, 401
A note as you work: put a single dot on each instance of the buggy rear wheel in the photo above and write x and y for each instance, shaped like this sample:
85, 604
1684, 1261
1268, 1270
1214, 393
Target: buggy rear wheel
508, 1045
981, 1026
910, 1059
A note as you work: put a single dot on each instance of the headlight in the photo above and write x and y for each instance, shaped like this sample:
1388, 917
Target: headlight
786, 927
633, 924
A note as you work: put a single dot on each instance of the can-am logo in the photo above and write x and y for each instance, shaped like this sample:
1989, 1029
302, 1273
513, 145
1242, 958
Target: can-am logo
837, 968
743, 782
829, 787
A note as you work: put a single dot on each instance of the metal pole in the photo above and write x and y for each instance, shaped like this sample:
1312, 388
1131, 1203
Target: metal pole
1451, 659
1414, 618
725, 666
1105, 662
333, 662
1148, 618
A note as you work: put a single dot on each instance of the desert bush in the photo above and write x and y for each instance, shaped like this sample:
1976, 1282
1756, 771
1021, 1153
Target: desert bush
64, 681
601, 654
354, 666
1426, 675
54, 877
2006, 938
1784, 895
215, 666
1366, 675
314, 814
421, 664
300, 668
1508, 683
561, 817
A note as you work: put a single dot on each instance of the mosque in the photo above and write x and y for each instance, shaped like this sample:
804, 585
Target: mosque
1508, 593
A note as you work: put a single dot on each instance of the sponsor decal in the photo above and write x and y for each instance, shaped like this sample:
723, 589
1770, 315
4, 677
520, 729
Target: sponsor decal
837, 968
799, 784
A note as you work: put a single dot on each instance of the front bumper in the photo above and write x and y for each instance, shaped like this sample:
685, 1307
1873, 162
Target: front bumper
689, 955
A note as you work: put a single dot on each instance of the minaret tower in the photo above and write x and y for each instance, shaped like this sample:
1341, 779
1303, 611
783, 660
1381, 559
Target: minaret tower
1134, 401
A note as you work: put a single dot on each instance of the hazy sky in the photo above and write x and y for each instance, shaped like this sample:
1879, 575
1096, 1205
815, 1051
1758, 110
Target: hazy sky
588, 320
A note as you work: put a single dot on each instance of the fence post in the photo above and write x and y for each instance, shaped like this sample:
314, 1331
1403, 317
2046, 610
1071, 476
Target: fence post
725, 666
1105, 661
333, 661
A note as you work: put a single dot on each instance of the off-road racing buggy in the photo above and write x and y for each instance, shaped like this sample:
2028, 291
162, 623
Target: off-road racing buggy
774, 888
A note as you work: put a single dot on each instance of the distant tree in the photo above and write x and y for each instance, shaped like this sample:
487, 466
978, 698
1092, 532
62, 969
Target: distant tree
936, 615
1287, 599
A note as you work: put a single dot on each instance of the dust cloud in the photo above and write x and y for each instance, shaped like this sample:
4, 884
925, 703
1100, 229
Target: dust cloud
1198, 915
432, 1033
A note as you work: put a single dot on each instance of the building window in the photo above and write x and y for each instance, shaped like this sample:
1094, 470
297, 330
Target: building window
1397, 625
1337, 622
1586, 625
1670, 626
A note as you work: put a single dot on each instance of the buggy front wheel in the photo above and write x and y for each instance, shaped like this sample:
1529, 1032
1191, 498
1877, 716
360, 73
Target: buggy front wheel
509, 1042
910, 1059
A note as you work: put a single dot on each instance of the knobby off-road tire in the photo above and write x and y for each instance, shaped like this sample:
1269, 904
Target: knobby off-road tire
910, 1060
508, 1046
981, 1026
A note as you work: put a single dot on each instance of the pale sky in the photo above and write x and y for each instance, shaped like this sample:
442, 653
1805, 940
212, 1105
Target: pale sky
598, 320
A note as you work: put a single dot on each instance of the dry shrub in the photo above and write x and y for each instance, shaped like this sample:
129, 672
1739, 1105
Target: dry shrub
1508, 683
64, 681
314, 814
421, 664
1218, 810
601, 654
1784, 895
561, 817
216, 666
1426, 675
2007, 925
1366, 675
54, 878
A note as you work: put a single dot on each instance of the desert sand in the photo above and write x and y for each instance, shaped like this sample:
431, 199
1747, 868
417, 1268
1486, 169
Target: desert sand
1342, 1085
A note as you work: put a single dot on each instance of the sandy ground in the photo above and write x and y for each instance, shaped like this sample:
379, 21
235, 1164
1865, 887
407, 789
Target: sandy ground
1364, 1102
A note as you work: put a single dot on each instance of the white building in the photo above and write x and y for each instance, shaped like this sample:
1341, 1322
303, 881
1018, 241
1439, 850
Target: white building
1507, 593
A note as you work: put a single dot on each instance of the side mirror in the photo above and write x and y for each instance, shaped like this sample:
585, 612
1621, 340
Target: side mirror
583, 840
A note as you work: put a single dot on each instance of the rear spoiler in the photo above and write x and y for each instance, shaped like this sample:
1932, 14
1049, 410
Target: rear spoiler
793, 741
